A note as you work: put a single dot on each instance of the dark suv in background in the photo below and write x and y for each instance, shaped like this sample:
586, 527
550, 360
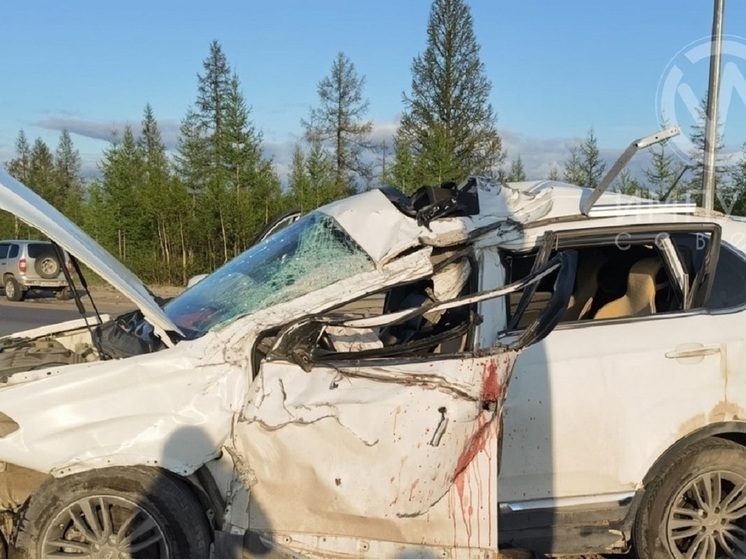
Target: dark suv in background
26, 265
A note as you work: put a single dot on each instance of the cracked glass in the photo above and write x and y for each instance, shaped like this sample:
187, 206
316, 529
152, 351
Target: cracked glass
311, 254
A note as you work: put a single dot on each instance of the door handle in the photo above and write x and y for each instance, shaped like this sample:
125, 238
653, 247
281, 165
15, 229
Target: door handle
693, 352
440, 429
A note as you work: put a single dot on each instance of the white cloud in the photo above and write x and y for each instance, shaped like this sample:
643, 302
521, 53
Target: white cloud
106, 131
538, 155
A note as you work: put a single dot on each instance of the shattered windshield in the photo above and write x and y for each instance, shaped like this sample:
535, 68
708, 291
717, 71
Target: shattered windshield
311, 254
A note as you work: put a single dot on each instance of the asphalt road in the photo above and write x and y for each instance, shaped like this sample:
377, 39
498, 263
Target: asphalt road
41, 310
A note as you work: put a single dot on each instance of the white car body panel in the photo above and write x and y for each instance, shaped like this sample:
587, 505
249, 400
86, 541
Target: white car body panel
100, 414
376, 225
649, 392
594, 406
58, 328
411, 425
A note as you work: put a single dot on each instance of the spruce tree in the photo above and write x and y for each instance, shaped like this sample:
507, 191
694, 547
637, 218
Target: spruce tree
20, 168
516, 173
663, 171
41, 176
448, 123
573, 171
321, 174
723, 192
554, 173
738, 186
627, 184
69, 184
585, 166
233, 189
339, 121
159, 201
123, 221
299, 181
403, 173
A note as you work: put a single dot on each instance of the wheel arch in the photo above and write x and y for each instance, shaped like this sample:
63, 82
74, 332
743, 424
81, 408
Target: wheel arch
25, 482
200, 481
734, 431
651, 535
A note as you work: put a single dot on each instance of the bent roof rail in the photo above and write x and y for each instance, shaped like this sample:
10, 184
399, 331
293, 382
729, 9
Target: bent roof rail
621, 163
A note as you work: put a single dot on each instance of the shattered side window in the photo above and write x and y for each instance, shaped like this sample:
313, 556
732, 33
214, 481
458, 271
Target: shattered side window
311, 254
620, 277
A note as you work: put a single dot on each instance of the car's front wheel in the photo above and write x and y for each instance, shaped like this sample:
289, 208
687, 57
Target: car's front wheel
13, 291
696, 507
118, 512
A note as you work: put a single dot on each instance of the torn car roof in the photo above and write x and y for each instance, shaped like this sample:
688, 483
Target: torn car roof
386, 223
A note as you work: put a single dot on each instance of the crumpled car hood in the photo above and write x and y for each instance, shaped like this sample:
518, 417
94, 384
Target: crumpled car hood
32, 209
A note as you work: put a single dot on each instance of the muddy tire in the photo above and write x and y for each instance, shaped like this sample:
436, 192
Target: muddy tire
116, 512
47, 265
696, 506
13, 291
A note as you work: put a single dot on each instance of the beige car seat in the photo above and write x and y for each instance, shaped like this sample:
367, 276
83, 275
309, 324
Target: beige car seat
587, 285
639, 300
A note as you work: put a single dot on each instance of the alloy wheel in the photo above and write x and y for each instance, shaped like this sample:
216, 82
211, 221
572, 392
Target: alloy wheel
707, 518
104, 527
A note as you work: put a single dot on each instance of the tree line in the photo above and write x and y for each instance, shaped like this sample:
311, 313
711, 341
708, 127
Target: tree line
168, 216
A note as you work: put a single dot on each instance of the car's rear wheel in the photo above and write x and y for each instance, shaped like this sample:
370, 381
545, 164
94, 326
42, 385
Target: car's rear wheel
118, 512
63, 294
696, 507
13, 291
47, 265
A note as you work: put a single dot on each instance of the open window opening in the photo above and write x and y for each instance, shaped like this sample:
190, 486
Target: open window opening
434, 317
406, 319
622, 274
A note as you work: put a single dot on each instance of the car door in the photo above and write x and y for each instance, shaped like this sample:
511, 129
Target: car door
727, 303
391, 453
592, 406
382, 450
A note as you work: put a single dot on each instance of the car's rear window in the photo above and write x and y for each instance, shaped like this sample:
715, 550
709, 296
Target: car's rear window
37, 249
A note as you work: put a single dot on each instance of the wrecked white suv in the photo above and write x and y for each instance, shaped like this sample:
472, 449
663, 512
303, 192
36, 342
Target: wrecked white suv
335, 391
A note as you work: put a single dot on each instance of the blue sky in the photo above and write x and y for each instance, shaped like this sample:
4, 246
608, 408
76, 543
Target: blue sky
557, 68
